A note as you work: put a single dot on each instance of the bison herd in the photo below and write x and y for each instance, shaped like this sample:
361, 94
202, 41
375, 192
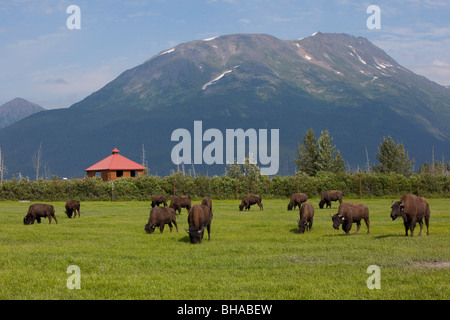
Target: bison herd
411, 208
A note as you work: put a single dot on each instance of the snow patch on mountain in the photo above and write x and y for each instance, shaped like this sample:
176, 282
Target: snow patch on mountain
217, 78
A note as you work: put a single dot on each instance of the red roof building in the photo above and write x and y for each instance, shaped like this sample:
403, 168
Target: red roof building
115, 166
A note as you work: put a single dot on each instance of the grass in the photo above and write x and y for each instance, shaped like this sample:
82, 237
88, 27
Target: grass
254, 255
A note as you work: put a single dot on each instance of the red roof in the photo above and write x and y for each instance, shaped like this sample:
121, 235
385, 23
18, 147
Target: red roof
115, 162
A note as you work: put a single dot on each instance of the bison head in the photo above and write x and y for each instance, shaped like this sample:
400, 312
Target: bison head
321, 203
338, 219
241, 207
149, 228
26, 220
68, 213
290, 206
195, 235
397, 210
302, 226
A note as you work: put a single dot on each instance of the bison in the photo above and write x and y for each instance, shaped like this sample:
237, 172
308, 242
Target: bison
412, 209
200, 216
179, 202
37, 211
349, 213
250, 200
296, 200
72, 207
328, 196
306, 217
160, 216
157, 200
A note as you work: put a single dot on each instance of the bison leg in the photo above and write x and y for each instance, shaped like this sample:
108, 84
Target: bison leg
310, 224
175, 223
421, 226
358, 226
209, 231
412, 226
261, 208
367, 224
170, 226
427, 222
406, 228
161, 227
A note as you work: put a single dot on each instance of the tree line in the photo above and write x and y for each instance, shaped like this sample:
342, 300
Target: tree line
366, 185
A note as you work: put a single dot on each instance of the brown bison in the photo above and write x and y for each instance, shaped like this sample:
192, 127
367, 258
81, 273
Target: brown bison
72, 207
179, 202
296, 200
250, 200
306, 217
157, 200
207, 202
37, 211
349, 213
328, 196
200, 216
160, 216
412, 209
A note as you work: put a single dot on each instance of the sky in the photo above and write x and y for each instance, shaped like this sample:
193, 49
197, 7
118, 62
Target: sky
48, 63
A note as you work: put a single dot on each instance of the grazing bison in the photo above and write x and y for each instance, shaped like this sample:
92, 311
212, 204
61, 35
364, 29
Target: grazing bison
296, 200
412, 209
328, 196
157, 200
72, 207
250, 200
207, 202
160, 216
37, 211
179, 202
306, 217
200, 216
349, 213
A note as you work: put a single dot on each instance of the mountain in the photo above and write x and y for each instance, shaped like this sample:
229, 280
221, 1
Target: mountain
17, 109
337, 82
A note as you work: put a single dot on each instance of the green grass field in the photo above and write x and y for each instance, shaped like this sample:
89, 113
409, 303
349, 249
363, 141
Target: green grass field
254, 255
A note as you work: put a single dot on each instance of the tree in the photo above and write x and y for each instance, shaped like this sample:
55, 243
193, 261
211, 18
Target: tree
37, 160
2, 166
308, 154
393, 158
317, 155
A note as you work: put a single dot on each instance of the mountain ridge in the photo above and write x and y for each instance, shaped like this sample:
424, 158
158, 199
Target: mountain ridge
17, 109
337, 82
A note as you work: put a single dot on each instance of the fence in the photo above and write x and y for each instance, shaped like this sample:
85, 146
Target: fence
142, 188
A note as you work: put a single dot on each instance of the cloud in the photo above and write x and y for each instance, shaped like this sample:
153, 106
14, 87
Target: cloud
57, 81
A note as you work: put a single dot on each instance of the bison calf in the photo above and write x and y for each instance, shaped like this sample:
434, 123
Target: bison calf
72, 207
179, 202
250, 200
157, 200
412, 209
328, 196
306, 217
349, 213
200, 216
37, 211
160, 216
296, 200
